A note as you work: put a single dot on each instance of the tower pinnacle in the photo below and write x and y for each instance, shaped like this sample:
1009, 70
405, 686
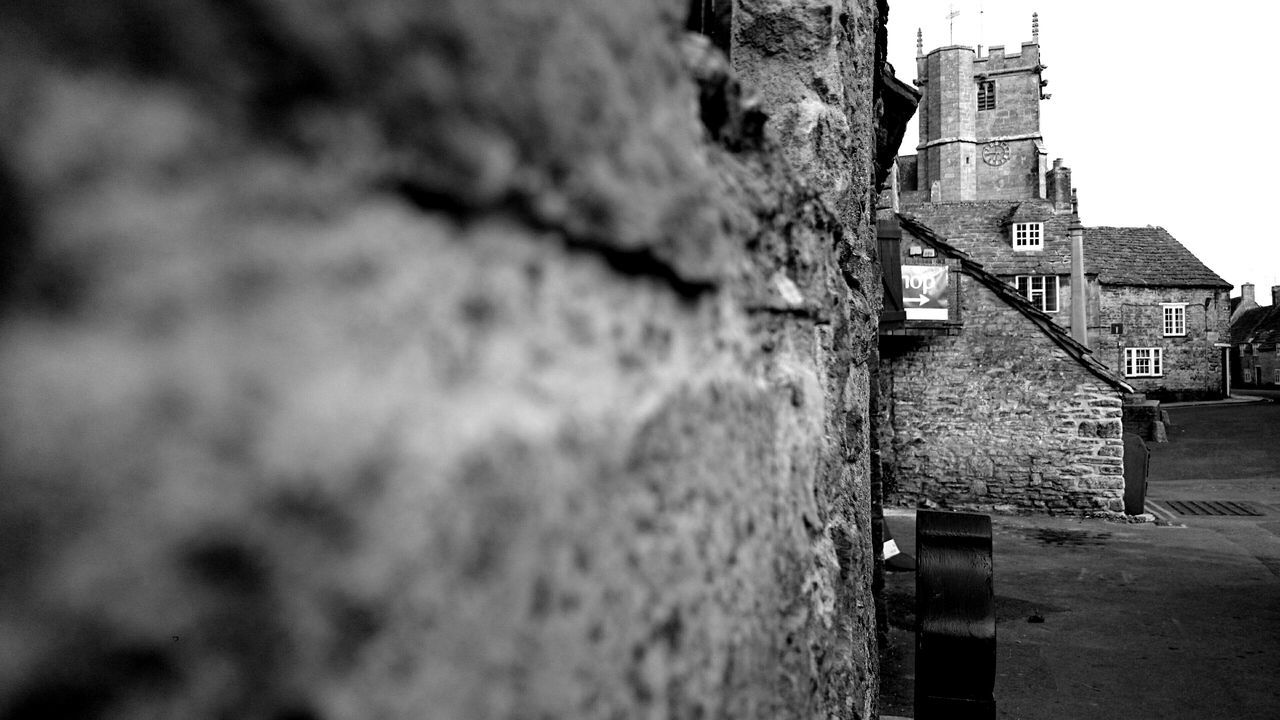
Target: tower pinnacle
919, 42
1035, 28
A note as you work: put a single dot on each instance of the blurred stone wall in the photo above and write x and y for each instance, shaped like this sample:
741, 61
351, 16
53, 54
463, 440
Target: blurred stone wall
451, 359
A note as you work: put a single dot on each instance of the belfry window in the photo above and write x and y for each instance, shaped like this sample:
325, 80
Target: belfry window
986, 94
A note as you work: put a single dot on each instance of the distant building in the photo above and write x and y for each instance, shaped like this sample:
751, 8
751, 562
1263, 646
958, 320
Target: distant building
1255, 339
1159, 314
990, 403
1019, 332
1145, 305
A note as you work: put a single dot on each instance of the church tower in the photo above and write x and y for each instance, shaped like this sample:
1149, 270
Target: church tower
980, 122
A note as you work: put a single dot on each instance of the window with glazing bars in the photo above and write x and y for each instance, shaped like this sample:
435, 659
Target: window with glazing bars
1175, 319
1041, 290
1143, 362
1028, 236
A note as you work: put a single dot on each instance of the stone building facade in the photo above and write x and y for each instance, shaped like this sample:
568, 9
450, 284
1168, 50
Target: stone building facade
1162, 315
997, 407
980, 179
464, 359
1255, 340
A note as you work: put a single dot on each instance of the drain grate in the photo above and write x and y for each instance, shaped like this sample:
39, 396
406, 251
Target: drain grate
1212, 507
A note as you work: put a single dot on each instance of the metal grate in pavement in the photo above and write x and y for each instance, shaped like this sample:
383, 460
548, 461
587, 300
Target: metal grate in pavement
1212, 507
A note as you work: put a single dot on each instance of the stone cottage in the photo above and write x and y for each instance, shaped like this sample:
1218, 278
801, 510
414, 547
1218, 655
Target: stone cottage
1147, 306
991, 404
1161, 313
1255, 339
461, 359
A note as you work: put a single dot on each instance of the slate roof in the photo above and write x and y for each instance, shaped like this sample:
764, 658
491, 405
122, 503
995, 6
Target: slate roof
1147, 256
1011, 296
1257, 325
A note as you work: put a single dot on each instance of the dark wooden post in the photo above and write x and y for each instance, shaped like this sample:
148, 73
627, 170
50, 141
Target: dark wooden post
955, 615
889, 239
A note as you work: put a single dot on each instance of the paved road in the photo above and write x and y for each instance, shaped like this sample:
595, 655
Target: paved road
1140, 621
1270, 392
1219, 442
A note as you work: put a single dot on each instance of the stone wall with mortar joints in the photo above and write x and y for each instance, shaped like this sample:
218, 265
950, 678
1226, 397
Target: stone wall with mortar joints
1000, 416
467, 360
1191, 363
975, 228
1016, 179
1017, 110
998, 58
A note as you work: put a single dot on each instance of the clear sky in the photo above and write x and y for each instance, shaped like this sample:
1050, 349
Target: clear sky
1164, 114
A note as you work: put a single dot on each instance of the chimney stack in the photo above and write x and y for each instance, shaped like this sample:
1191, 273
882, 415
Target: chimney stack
1246, 294
1058, 185
1275, 295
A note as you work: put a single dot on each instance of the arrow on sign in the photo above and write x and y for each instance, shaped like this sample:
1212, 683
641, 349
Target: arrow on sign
916, 300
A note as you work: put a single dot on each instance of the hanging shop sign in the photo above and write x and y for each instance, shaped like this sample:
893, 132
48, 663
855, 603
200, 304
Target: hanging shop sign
926, 290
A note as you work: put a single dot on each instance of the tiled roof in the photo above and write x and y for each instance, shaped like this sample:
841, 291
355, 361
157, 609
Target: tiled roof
1010, 295
1257, 325
1144, 256
1027, 212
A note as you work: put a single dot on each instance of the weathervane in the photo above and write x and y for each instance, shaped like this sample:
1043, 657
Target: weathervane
951, 24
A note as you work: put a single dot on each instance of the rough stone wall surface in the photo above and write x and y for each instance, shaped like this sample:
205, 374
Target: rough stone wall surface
448, 359
999, 417
813, 65
1191, 363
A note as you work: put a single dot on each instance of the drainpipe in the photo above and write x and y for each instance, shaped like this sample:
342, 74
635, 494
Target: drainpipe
1078, 293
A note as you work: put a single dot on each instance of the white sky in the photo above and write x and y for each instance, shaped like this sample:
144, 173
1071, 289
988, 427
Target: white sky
1161, 113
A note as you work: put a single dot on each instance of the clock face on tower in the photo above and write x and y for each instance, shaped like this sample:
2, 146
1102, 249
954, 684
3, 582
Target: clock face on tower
995, 153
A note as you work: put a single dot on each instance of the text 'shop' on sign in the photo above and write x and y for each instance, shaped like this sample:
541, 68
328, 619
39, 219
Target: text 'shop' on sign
925, 290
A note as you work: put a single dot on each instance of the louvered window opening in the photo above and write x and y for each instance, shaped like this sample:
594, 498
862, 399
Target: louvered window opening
986, 95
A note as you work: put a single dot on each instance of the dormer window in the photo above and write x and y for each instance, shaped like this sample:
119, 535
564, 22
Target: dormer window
1028, 236
986, 94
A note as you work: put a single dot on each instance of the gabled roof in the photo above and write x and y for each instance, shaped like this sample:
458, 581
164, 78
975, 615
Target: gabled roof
1257, 325
1147, 256
1010, 295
